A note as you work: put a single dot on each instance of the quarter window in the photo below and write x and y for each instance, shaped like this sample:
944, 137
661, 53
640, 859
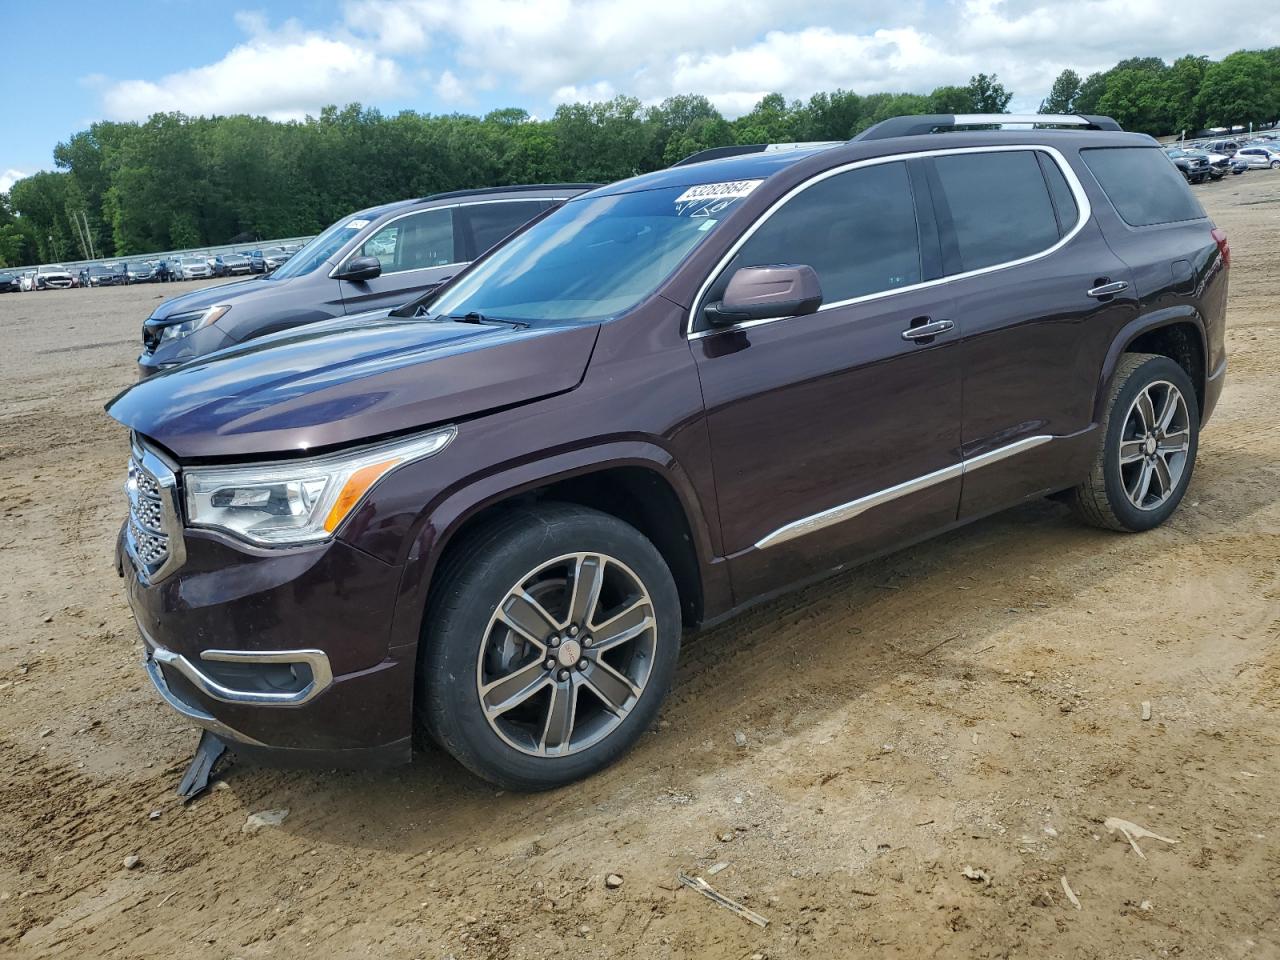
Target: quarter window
999, 205
856, 229
1145, 188
414, 242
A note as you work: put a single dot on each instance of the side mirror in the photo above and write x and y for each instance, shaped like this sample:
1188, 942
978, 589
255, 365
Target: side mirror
361, 268
766, 293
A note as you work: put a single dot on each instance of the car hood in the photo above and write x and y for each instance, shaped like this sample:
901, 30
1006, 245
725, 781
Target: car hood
254, 290
350, 380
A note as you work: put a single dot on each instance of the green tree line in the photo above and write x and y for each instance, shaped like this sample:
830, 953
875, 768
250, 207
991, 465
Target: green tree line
176, 181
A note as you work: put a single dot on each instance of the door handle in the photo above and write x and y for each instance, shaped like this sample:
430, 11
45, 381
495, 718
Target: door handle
1109, 289
927, 331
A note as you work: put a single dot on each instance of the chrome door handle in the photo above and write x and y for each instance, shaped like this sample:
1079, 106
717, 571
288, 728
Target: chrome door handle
927, 331
1109, 289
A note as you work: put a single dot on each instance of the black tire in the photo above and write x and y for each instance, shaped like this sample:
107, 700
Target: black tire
475, 578
1102, 500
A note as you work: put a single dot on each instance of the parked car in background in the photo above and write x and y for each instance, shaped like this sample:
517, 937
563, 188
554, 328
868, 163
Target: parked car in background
1259, 158
166, 270
1225, 147
139, 272
193, 268
1193, 165
96, 275
374, 259
53, 277
27, 280
232, 265
10, 283
275, 257
257, 264
661, 403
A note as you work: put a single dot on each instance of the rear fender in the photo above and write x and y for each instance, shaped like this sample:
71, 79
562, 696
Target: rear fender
1144, 323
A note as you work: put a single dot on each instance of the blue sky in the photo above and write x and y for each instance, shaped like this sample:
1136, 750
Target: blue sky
123, 60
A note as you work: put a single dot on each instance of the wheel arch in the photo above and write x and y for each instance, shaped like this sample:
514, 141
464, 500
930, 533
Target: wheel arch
1177, 333
636, 481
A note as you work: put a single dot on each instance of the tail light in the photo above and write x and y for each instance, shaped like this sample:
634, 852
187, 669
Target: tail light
1224, 248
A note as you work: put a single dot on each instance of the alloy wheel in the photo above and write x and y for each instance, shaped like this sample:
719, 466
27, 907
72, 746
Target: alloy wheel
566, 655
1154, 445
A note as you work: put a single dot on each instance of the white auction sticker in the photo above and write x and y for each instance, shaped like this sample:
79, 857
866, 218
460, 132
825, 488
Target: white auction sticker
731, 190
357, 224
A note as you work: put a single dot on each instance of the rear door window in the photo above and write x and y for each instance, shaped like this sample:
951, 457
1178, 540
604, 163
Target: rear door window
856, 229
999, 205
488, 223
1142, 185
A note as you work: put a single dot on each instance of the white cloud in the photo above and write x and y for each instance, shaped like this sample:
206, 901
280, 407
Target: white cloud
589, 93
449, 88
734, 51
284, 74
9, 177
543, 52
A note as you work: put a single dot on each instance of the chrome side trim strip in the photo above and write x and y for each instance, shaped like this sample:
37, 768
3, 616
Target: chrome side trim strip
1003, 453
847, 511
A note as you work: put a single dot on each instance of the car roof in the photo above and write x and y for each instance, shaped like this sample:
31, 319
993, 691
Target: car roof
762, 165
531, 191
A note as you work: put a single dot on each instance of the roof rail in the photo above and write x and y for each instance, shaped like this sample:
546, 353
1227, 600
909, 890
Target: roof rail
515, 188
933, 122
738, 150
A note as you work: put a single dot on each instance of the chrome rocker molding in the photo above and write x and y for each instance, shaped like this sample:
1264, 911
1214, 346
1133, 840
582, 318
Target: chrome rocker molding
847, 511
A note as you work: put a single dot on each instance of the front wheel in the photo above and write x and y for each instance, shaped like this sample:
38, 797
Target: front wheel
550, 641
1147, 448
1275, 164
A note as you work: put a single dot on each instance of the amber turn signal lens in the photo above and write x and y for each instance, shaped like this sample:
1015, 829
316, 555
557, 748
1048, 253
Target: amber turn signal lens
356, 487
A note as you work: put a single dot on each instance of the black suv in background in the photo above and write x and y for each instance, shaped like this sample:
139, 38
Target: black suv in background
1193, 165
374, 259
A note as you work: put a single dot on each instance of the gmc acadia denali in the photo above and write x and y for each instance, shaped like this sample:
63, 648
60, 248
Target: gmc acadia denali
493, 516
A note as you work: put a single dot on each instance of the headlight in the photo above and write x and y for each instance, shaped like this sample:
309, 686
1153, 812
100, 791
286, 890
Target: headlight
300, 501
185, 324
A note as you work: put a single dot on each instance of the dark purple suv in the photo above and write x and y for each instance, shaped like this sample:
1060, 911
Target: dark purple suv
491, 516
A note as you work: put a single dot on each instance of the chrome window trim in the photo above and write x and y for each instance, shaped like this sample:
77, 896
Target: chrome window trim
360, 242
1083, 212
847, 511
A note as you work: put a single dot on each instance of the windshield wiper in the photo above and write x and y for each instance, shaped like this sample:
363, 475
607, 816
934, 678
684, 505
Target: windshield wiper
477, 317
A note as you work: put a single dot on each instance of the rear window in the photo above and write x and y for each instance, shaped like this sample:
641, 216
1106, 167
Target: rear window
999, 204
1144, 186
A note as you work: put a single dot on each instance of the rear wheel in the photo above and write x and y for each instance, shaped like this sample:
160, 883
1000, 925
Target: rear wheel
1147, 450
550, 643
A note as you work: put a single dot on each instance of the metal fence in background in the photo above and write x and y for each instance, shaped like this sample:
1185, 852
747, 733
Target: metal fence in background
75, 266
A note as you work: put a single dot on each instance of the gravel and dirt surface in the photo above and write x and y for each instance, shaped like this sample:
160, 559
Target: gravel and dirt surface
834, 760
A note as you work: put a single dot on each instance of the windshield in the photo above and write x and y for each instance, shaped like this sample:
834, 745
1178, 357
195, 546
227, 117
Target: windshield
318, 251
593, 258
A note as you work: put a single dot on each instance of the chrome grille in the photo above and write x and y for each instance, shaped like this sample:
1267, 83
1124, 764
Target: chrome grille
152, 534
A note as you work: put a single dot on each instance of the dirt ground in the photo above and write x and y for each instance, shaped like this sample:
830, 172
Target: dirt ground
845, 753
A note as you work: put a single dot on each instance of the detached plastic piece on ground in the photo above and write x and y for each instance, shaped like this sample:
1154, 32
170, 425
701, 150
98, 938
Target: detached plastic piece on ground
200, 771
